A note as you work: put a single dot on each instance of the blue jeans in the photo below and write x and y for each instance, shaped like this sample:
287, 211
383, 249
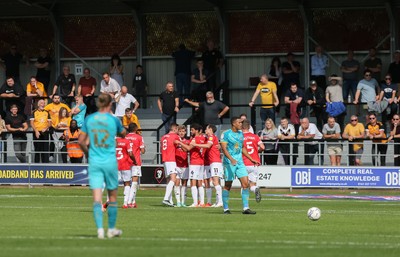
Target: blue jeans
349, 86
168, 124
266, 113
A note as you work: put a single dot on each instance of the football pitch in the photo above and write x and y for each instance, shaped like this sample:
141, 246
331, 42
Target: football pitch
58, 221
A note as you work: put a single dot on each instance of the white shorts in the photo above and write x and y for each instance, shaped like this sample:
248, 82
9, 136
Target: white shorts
170, 168
126, 175
136, 171
217, 170
253, 173
183, 172
196, 172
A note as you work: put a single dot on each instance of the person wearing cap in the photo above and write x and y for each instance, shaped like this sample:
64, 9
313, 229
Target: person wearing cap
315, 98
319, 63
334, 94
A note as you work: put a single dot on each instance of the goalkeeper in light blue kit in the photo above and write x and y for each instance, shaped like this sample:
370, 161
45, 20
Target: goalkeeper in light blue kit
101, 128
232, 147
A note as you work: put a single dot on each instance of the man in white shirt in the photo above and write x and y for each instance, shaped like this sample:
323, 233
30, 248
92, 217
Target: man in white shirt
109, 85
308, 131
124, 100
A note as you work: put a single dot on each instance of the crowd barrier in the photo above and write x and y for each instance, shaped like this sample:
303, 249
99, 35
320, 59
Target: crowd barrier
268, 177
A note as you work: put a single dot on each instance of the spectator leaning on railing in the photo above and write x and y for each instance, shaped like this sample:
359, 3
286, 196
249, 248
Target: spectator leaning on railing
395, 135
17, 125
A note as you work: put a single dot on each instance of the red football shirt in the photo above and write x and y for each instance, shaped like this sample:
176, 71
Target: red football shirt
123, 149
251, 141
182, 156
197, 153
137, 144
212, 154
168, 147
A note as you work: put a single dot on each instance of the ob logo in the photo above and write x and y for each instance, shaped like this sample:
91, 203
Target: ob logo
159, 175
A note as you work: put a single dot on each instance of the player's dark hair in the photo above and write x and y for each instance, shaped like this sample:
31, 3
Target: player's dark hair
133, 127
234, 118
196, 127
213, 127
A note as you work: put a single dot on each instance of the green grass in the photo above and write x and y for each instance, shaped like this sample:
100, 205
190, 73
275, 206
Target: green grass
56, 222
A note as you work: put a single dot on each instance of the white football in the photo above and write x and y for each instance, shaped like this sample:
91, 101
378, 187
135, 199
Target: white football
314, 213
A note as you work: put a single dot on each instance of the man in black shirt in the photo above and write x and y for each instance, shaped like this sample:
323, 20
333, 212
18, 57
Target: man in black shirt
213, 62
183, 63
11, 61
168, 104
17, 125
43, 68
13, 93
66, 83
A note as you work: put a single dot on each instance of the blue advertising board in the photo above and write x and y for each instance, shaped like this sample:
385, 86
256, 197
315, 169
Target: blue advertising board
346, 177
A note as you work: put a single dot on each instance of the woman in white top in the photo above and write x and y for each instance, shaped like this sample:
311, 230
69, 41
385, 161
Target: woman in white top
270, 135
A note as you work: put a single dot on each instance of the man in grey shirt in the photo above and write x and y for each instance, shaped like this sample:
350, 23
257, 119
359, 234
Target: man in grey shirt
212, 110
331, 130
368, 88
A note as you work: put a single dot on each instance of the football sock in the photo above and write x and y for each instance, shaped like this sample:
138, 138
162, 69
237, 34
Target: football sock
168, 190
177, 190
132, 193
245, 198
183, 194
225, 199
98, 214
201, 195
127, 190
253, 189
209, 194
194, 194
218, 194
112, 214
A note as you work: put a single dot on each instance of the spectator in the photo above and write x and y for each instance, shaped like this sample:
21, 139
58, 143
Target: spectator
43, 68
2, 129
13, 93
394, 69
11, 61
289, 151
130, 118
125, 100
388, 94
71, 136
66, 82
109, 85
117, 70
54, 111
268, 93
183, 62
140, 86
319, 63
168, 104
374, 64
290, 73
86, 89
40, 123
315, 98
367, 88
63, 124
213, 110
395, 136
334, 99
275, 75
17, 125
78, 112
294, 98
268, 134
349, 69
375, 131
353, 132
199, 80
213, 62
309, 131
34, 90
331, 131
